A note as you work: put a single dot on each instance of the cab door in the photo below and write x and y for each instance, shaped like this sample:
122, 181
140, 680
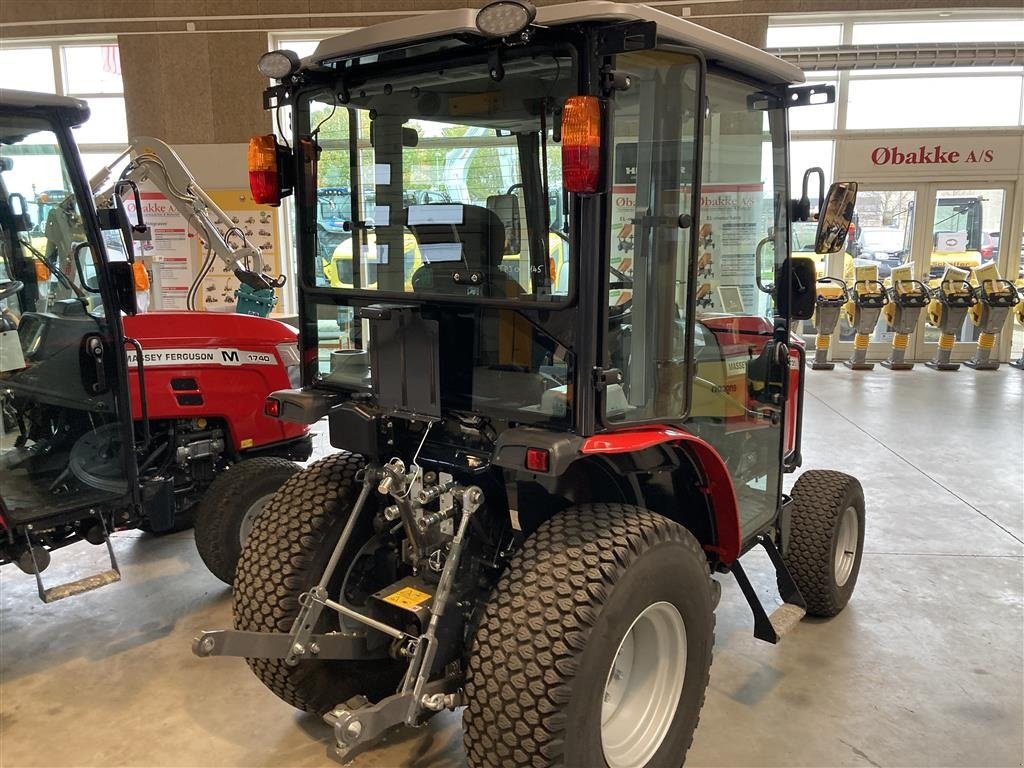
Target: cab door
66, 442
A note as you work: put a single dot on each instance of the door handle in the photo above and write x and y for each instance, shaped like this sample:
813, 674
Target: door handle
94, 349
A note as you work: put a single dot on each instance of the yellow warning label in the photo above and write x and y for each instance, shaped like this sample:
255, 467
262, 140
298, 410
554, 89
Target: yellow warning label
407, 598
247, 443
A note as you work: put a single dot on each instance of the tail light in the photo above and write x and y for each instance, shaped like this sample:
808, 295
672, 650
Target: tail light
292, 361
581, 144
538, 459
264, 174
272, 407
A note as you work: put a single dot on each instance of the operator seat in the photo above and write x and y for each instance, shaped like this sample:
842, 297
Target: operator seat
481, 238
504, 340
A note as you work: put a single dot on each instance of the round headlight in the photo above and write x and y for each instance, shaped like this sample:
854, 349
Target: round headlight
277, 65
505, 17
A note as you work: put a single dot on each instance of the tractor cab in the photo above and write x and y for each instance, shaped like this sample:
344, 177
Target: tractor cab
584, 348
63, 447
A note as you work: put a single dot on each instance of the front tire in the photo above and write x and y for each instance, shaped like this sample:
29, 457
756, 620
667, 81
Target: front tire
230, 505
826, 539
606, 608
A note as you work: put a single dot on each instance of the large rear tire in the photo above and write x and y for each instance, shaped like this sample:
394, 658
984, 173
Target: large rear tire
285, 556
230, 505
826, 539
595, 647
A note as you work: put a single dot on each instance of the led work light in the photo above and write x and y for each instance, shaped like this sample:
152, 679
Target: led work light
504, 18
277, 65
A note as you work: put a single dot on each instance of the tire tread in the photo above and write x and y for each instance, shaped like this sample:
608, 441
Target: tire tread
525, 655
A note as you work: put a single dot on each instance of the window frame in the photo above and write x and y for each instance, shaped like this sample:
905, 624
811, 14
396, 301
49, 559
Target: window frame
56, 45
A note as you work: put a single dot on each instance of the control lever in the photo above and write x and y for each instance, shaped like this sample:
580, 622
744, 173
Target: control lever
94, 349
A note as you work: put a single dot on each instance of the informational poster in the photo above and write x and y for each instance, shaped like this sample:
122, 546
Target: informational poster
730, 229
168, 255
731, 226
259, 225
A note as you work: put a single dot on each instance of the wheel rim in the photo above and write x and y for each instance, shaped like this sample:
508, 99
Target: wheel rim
643, 686
846, 545
250, 517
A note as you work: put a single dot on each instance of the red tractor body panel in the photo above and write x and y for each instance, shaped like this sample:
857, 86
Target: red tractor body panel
215, 366
719, 488
738, 337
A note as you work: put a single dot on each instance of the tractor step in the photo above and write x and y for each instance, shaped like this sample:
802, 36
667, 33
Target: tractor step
86, 584
786, 616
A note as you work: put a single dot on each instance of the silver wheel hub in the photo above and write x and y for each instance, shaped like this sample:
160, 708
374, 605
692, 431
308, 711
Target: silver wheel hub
250, 517
643, 687
847, 538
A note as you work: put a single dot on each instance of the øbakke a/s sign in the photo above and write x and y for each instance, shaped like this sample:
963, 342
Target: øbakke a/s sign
933, 158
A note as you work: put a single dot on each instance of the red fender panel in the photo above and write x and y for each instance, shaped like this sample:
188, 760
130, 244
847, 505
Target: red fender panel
720, 491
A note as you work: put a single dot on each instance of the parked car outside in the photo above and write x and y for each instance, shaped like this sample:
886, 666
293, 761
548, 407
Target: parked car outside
883, 245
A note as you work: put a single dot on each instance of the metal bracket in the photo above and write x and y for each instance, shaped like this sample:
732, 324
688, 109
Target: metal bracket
277, 645
629, 36
793, 608
356, 723
315, 600
605, 377
795, 96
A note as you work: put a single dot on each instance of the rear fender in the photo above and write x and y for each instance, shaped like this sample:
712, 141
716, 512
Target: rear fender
663, 468
714, 481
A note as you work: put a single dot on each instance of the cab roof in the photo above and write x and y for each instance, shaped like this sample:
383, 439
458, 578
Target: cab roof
717, 48
75, 110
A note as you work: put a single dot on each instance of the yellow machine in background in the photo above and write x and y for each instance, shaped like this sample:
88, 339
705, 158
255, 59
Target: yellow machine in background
831, 296
868, 298
947, 310
1019, 314
908, 298
995, 298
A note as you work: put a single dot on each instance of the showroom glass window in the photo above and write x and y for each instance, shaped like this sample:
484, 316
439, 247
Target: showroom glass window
85, 70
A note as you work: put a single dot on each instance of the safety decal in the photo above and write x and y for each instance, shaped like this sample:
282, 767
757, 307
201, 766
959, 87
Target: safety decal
202, 356
407, 597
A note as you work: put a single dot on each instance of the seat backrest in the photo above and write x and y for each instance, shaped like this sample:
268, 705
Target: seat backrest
451, 238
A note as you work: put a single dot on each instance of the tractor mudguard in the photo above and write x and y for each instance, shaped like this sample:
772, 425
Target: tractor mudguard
562, 450
718, 487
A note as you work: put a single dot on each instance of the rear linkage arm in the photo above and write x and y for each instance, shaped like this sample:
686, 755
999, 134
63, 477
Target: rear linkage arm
357, 724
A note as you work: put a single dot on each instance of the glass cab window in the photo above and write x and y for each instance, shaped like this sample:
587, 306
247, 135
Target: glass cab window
653, 174
444, 186
60, 438
662, 288
442, 183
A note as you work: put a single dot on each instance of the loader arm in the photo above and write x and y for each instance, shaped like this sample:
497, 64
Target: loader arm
152, 160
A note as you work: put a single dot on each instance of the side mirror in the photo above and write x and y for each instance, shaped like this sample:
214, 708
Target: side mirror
799, 301
836, 217
86, 268
507, 208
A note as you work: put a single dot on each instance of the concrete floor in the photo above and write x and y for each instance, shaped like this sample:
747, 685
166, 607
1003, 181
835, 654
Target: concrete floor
924, 668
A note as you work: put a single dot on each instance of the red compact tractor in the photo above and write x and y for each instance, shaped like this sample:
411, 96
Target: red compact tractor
541, 466
111, 418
